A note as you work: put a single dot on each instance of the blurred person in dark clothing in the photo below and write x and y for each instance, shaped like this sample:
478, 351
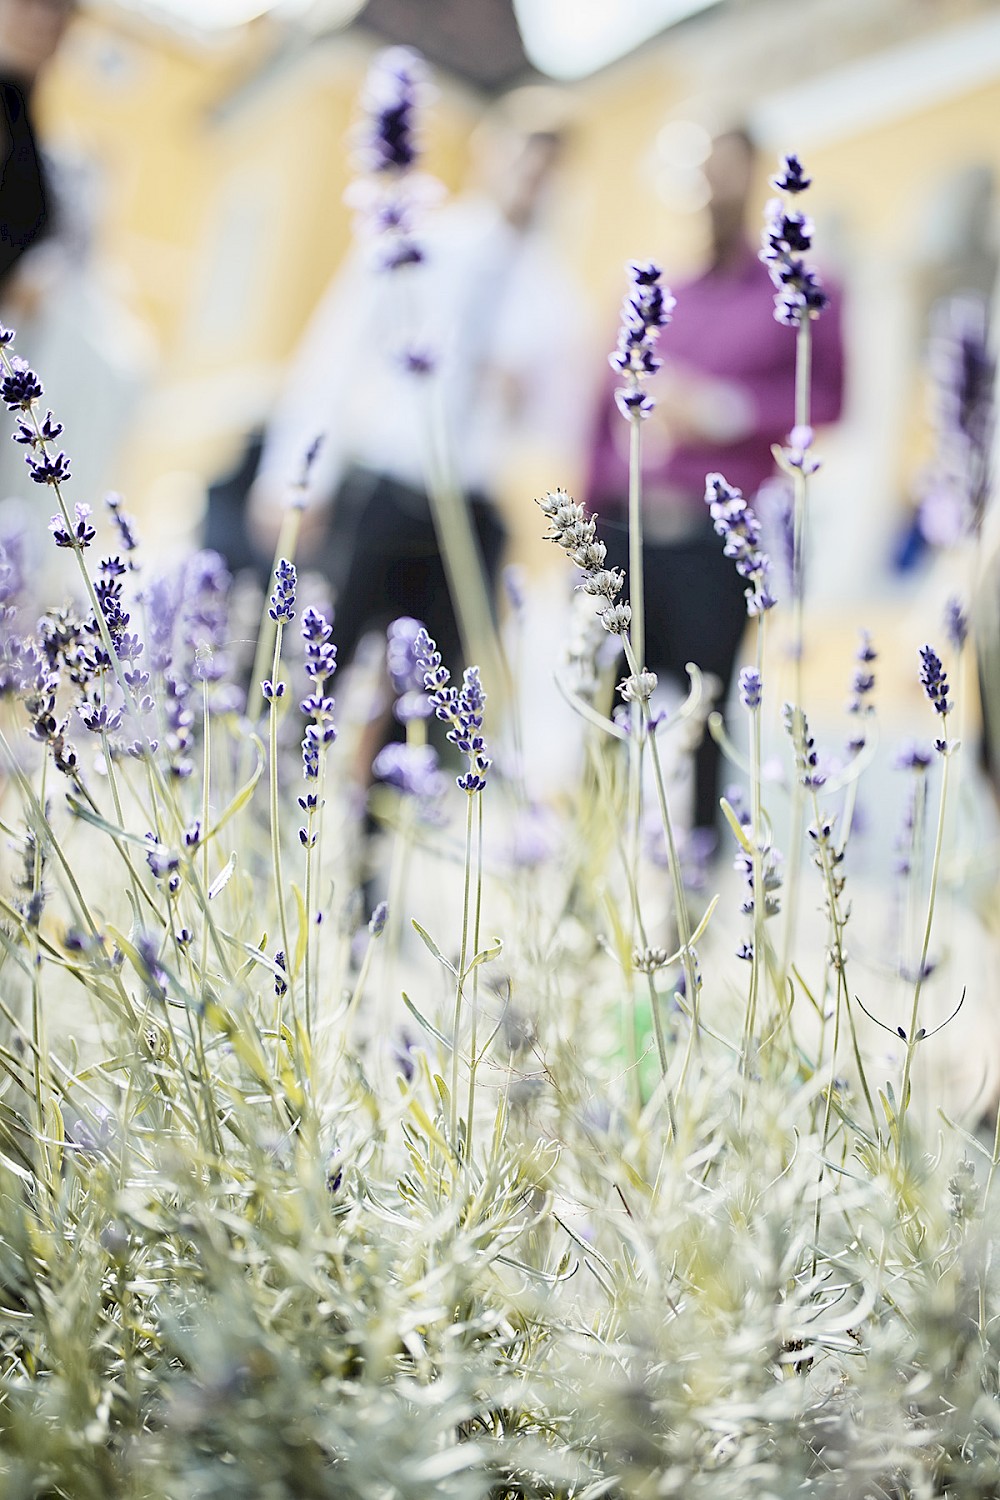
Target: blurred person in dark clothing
30, 34
71, 325
725, 394
494, 301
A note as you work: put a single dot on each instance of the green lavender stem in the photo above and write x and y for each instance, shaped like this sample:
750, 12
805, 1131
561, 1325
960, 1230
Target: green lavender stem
912, 1038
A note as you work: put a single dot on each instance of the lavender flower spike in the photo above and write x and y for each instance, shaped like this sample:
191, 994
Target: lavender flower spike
645, 310
282, 604
956, 623
20, 386
790, 177
390, 100
320, 664
787, 236
934, 681
750, 687
736, 523
388, 152
461, 708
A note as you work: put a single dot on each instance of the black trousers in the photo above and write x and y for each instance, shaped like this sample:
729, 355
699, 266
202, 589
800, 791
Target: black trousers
383, 560
695, 610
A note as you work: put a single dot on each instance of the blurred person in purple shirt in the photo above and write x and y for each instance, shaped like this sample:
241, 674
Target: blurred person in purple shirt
725, 394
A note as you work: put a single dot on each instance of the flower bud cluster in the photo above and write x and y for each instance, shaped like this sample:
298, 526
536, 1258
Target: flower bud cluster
576, 532
411, 769
804, 746
123, 525
934, 681
750, 688
862, 687
388, 151
404, 673
320, 664
935, 685
282, 602
461, 708
82, 533
20, 390
645, 310
740, 529
956, 623
786, 238
771, 869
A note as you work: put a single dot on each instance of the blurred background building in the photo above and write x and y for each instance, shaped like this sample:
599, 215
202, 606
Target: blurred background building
217, 132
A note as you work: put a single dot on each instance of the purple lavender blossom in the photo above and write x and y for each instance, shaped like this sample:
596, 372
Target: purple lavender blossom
282, 603
320, 664
736, 523
514, 586
790, 177
151, 971
786, 237
204, 617
390, 100
461, 708
913, 756
645, 310
123, 524
401, 1050
933, 680
798, 454
31, 436
388, 153
956, 623
48, 468
404, 671
82, 534
963, 375
411, 769
862, 687
750, 687
20, 387
162, 862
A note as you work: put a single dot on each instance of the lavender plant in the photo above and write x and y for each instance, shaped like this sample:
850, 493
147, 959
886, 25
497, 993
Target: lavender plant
250, 1245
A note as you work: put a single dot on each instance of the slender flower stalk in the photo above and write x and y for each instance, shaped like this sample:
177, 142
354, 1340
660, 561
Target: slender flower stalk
736, 522
799, 298
320, 665
462, 709
645, 310
935, 685
281, 611
576, 532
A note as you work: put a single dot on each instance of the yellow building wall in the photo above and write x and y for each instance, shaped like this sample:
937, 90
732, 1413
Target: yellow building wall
224, 212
